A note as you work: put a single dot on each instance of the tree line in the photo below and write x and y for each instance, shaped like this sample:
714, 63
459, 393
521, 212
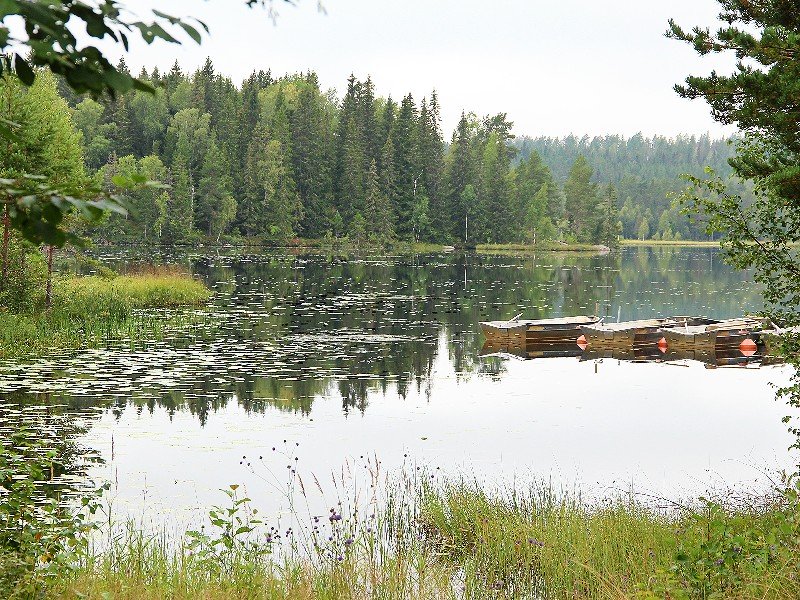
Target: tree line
646, 171
277, 158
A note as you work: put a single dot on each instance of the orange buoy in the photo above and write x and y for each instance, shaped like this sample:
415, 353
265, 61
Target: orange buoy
748, 347
582, 343
662, 345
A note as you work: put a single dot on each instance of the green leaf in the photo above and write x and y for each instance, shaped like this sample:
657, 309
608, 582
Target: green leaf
8, 7
191, 31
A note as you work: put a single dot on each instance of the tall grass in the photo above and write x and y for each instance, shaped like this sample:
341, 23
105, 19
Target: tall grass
457, 541
554, 547
92, 311
147, 568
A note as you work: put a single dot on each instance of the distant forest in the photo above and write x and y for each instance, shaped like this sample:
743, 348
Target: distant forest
279, 158
645, 171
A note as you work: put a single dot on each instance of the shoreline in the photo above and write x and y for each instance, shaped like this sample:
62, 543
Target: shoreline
344, 246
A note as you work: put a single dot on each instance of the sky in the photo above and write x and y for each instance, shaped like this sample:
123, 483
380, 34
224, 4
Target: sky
555, 66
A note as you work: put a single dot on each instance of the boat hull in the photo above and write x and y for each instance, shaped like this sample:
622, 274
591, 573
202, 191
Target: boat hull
635, 333
542, 331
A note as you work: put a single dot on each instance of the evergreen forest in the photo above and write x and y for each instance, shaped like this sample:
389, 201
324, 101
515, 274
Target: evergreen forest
275, 159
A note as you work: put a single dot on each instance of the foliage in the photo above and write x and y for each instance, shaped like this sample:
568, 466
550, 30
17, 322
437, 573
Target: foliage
734, 554
24, 279
38, 210
287, 160
40, 538
233, 536
458, 541
764, 37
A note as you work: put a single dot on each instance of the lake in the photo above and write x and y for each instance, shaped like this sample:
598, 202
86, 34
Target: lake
349, 369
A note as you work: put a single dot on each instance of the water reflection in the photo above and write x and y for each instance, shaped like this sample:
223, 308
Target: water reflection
285, 329
387, 347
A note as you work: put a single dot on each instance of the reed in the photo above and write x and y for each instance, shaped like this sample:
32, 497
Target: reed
457, 541
92, 311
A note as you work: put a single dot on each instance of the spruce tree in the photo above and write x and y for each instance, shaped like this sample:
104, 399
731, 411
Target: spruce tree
179, 223
349, 173
213, 190
608, 229
377, 210
581, 200
459, 175
403, 139
310, 165
370, 133
433, 159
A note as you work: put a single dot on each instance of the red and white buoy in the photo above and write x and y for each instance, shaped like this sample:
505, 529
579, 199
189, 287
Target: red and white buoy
748, 347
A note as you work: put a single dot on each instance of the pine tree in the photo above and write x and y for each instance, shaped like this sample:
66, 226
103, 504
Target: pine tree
403, 139
377, 210
459, 175
581, 199
180, 211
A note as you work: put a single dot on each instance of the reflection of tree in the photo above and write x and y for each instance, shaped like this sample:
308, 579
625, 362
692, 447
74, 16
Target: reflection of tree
292, 328
54, 427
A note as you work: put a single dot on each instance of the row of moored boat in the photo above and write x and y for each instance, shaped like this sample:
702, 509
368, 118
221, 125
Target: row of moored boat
681, 336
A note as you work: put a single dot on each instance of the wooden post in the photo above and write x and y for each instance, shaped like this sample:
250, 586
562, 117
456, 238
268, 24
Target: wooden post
6, 235
48, 296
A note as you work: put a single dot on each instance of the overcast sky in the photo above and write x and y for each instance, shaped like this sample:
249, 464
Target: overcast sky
555, 66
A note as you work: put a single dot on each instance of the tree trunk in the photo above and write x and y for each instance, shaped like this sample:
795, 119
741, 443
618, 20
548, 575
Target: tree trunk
6, 236
48, 296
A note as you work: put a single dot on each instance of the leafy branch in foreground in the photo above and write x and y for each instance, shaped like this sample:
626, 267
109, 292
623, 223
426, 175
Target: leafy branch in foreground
758, 97
762, 235
37, 207
49, 42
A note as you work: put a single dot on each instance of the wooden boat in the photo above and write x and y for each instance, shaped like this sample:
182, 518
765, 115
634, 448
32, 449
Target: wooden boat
540, 331
727, 334
632, 333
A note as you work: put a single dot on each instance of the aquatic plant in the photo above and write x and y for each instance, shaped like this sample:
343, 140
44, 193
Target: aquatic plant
92, 311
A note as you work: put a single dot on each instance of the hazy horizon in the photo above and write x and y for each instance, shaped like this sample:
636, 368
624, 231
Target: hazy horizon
576, 68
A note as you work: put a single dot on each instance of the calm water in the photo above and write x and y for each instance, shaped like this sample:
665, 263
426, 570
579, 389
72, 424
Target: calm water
344, 364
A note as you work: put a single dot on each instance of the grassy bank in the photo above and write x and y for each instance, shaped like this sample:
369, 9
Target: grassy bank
459, 542
90, 311
678, 243
539, 247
